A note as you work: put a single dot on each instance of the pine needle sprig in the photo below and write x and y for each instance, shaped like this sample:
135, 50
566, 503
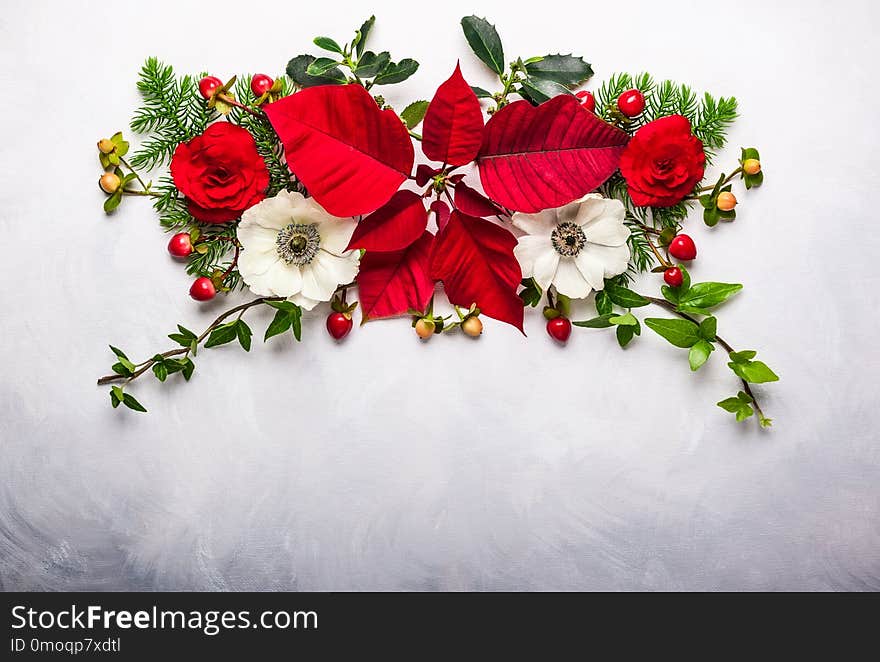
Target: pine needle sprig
172, 112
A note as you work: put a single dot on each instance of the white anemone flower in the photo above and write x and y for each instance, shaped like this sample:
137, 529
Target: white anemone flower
292, 248
575, 247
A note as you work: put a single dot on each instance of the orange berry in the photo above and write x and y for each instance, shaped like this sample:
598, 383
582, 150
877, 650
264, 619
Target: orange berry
472, 326
726, 201
424, 329
751, 166
109, 182
105, 146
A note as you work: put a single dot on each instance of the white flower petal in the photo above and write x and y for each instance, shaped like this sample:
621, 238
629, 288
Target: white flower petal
255, 267
591, 207
302, 301
336, 233
254, 237
325, 273
528, 249
284, 279
545, 268
607, 230
540, 224
569, 280
592, 269
614, 259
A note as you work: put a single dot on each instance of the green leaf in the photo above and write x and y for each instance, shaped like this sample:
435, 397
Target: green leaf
744, 356
327, 44
672, 294
222, 334
481, 93
601, 322
681, 333
298, 67
624, 320
244, 333
531, 295
161, 371
123, 359
708, 328
113, 201
699, 354
624, 335
711, 216
603, 303
396, 73
279, 324
121, 369
754, 372
540, 90
296, 323
184, 338
625, 298
320, 66
371, 64
750, 153
363, 33
484, 42
708, 295
187, 368
565, 69
739, 405
753, 181
414, 113
129, 401
116, 396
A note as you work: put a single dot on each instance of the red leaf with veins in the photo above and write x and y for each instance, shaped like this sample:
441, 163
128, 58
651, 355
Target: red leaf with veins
453, 126
441, 209
395, 225
538, 157
350, 155
391, 283
474, 259
474, 203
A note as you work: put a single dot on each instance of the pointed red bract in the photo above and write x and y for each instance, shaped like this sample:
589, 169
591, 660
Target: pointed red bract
474, 203
453, 126
441, 209
474, 259
393, 226
391, 283
538, 157
348, 153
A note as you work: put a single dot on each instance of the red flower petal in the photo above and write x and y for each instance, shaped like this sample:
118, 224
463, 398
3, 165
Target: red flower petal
391, 283
350, 155
474, 203
442, 210
393, 226
538, 157
453, 125
474, 259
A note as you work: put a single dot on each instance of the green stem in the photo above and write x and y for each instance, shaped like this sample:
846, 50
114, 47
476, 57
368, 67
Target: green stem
726, 181
663, 303
135, 173
415, 135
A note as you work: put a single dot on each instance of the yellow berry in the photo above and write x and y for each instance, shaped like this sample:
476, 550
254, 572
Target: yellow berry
109, 182
726, 201
105, 145
751, 166
472, 326
424, 328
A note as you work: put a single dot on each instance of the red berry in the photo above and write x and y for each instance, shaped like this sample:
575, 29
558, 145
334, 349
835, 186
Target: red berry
260, 84
208, 85
588, 101
202, 289
338, 325
673, 277
682, 247
559, 328
631, 103
180, 245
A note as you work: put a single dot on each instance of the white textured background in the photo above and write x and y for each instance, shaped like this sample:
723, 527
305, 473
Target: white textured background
383, 463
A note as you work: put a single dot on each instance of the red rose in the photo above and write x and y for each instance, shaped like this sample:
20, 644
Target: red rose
663, 162
220, 173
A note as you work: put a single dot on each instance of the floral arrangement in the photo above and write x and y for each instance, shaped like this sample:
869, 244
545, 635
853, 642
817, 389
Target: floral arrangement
305, 188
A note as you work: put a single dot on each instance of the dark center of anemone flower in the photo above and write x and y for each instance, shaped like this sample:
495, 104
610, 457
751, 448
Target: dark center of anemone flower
298, 244
568, 239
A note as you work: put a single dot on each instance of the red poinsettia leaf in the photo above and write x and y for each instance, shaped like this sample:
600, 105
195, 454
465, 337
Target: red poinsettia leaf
395, 225
453, 126
349, 154
442, 210
424, 173
538, 157
393, 282
474, 259
474, 203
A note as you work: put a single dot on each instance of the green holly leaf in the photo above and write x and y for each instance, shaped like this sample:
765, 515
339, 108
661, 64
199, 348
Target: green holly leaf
707, 295
484, 42
327, 44
699, 354
601, 322
414, 113
623, 297
320, 66
481, 93
396, 73
223, 334
360, 41
681, 333
539, 90
297, 70
371, 63
754, 372
567, 70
